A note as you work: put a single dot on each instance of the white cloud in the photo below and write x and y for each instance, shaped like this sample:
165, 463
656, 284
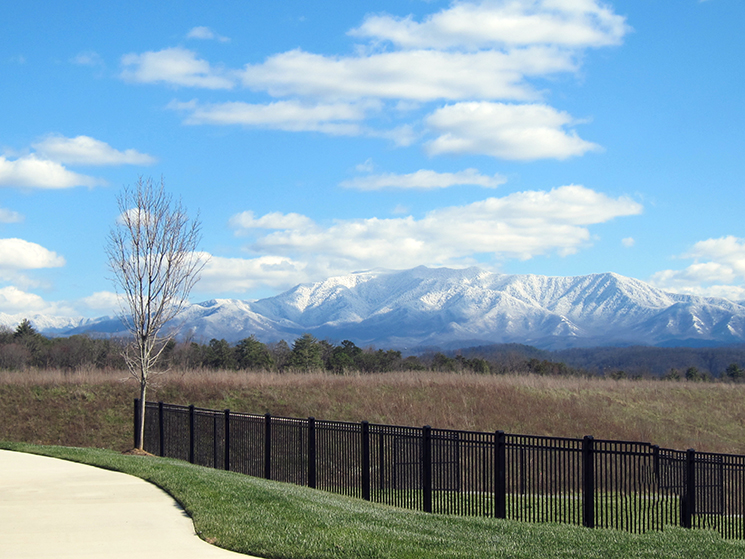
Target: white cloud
222, 275
628, 242
516, 132
89, 58
424, 75
718, 270
84, 150
32, 172
366, 167
424, 179
205, 33
331, 118
479, 50
45, 168
570, 24
16, 301
483, 50
175, 66
401, 136
134, 217
13, 300
274, 220
17, 254
9, 216
520, 225
102, 301
472, 54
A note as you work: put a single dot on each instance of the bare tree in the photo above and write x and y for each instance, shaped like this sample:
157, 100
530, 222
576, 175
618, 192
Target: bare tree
152, 252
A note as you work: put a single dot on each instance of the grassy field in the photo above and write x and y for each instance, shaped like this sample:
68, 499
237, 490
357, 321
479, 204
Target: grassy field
276, 520
94, 408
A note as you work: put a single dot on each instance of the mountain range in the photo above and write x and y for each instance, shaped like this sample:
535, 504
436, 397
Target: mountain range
449, 308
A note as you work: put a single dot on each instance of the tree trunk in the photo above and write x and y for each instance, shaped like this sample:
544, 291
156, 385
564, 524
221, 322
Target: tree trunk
141, 426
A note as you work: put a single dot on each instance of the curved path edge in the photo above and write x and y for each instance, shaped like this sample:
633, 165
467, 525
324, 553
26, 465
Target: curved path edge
55, 508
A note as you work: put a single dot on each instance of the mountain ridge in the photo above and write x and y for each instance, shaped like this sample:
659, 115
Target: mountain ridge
447, 307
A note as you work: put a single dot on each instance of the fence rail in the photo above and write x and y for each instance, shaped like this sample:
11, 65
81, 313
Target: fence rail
630, 486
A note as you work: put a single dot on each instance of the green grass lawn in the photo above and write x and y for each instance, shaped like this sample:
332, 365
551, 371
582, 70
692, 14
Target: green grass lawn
276, 520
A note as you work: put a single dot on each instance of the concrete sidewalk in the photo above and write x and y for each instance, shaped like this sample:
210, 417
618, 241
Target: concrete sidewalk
51, 508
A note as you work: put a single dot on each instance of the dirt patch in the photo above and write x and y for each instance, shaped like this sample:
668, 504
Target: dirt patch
137, 452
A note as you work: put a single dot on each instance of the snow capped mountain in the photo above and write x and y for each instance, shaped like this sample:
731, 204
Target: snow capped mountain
51, 325
451, 308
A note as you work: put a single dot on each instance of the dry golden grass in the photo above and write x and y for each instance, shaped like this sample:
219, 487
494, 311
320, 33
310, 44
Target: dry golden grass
93, 408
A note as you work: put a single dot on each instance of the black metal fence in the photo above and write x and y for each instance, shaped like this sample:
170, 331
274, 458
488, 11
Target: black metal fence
630, 486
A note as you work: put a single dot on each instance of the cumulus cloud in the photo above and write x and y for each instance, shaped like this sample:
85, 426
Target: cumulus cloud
88, 58
33, 172
275, 220
23, 304
365, 167
472, 49
14, 300
175, 66
84, 150
521, 225
517, 132
424, 179
496, 24
331, 118
102, 301
46, 167
9, 216
425, 75
222, 275
472, 54
718, 270
205, 33
17, 254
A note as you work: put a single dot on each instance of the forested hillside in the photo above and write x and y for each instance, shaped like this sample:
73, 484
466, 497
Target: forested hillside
25, 348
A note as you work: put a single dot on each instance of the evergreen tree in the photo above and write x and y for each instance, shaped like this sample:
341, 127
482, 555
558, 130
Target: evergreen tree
25, 330
734, 372
252, 354
220, 355
306, 354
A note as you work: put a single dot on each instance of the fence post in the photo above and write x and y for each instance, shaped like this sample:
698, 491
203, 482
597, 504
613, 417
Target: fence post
136, 424
227, 439
312, 452
214, 440
688, 501
267, 446
427, 468
500, 475
161, 429
365, 460
191, 433
588, 482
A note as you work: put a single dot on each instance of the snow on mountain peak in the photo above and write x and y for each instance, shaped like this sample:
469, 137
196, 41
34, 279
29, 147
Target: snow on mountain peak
447, 306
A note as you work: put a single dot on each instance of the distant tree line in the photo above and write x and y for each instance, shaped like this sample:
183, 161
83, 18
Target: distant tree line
696, 364
308, 354
25, 348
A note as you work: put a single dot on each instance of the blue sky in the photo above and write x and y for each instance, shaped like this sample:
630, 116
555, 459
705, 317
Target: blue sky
553, 137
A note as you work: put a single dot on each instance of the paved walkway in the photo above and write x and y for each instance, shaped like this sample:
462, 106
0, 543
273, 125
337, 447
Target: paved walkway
55, 509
